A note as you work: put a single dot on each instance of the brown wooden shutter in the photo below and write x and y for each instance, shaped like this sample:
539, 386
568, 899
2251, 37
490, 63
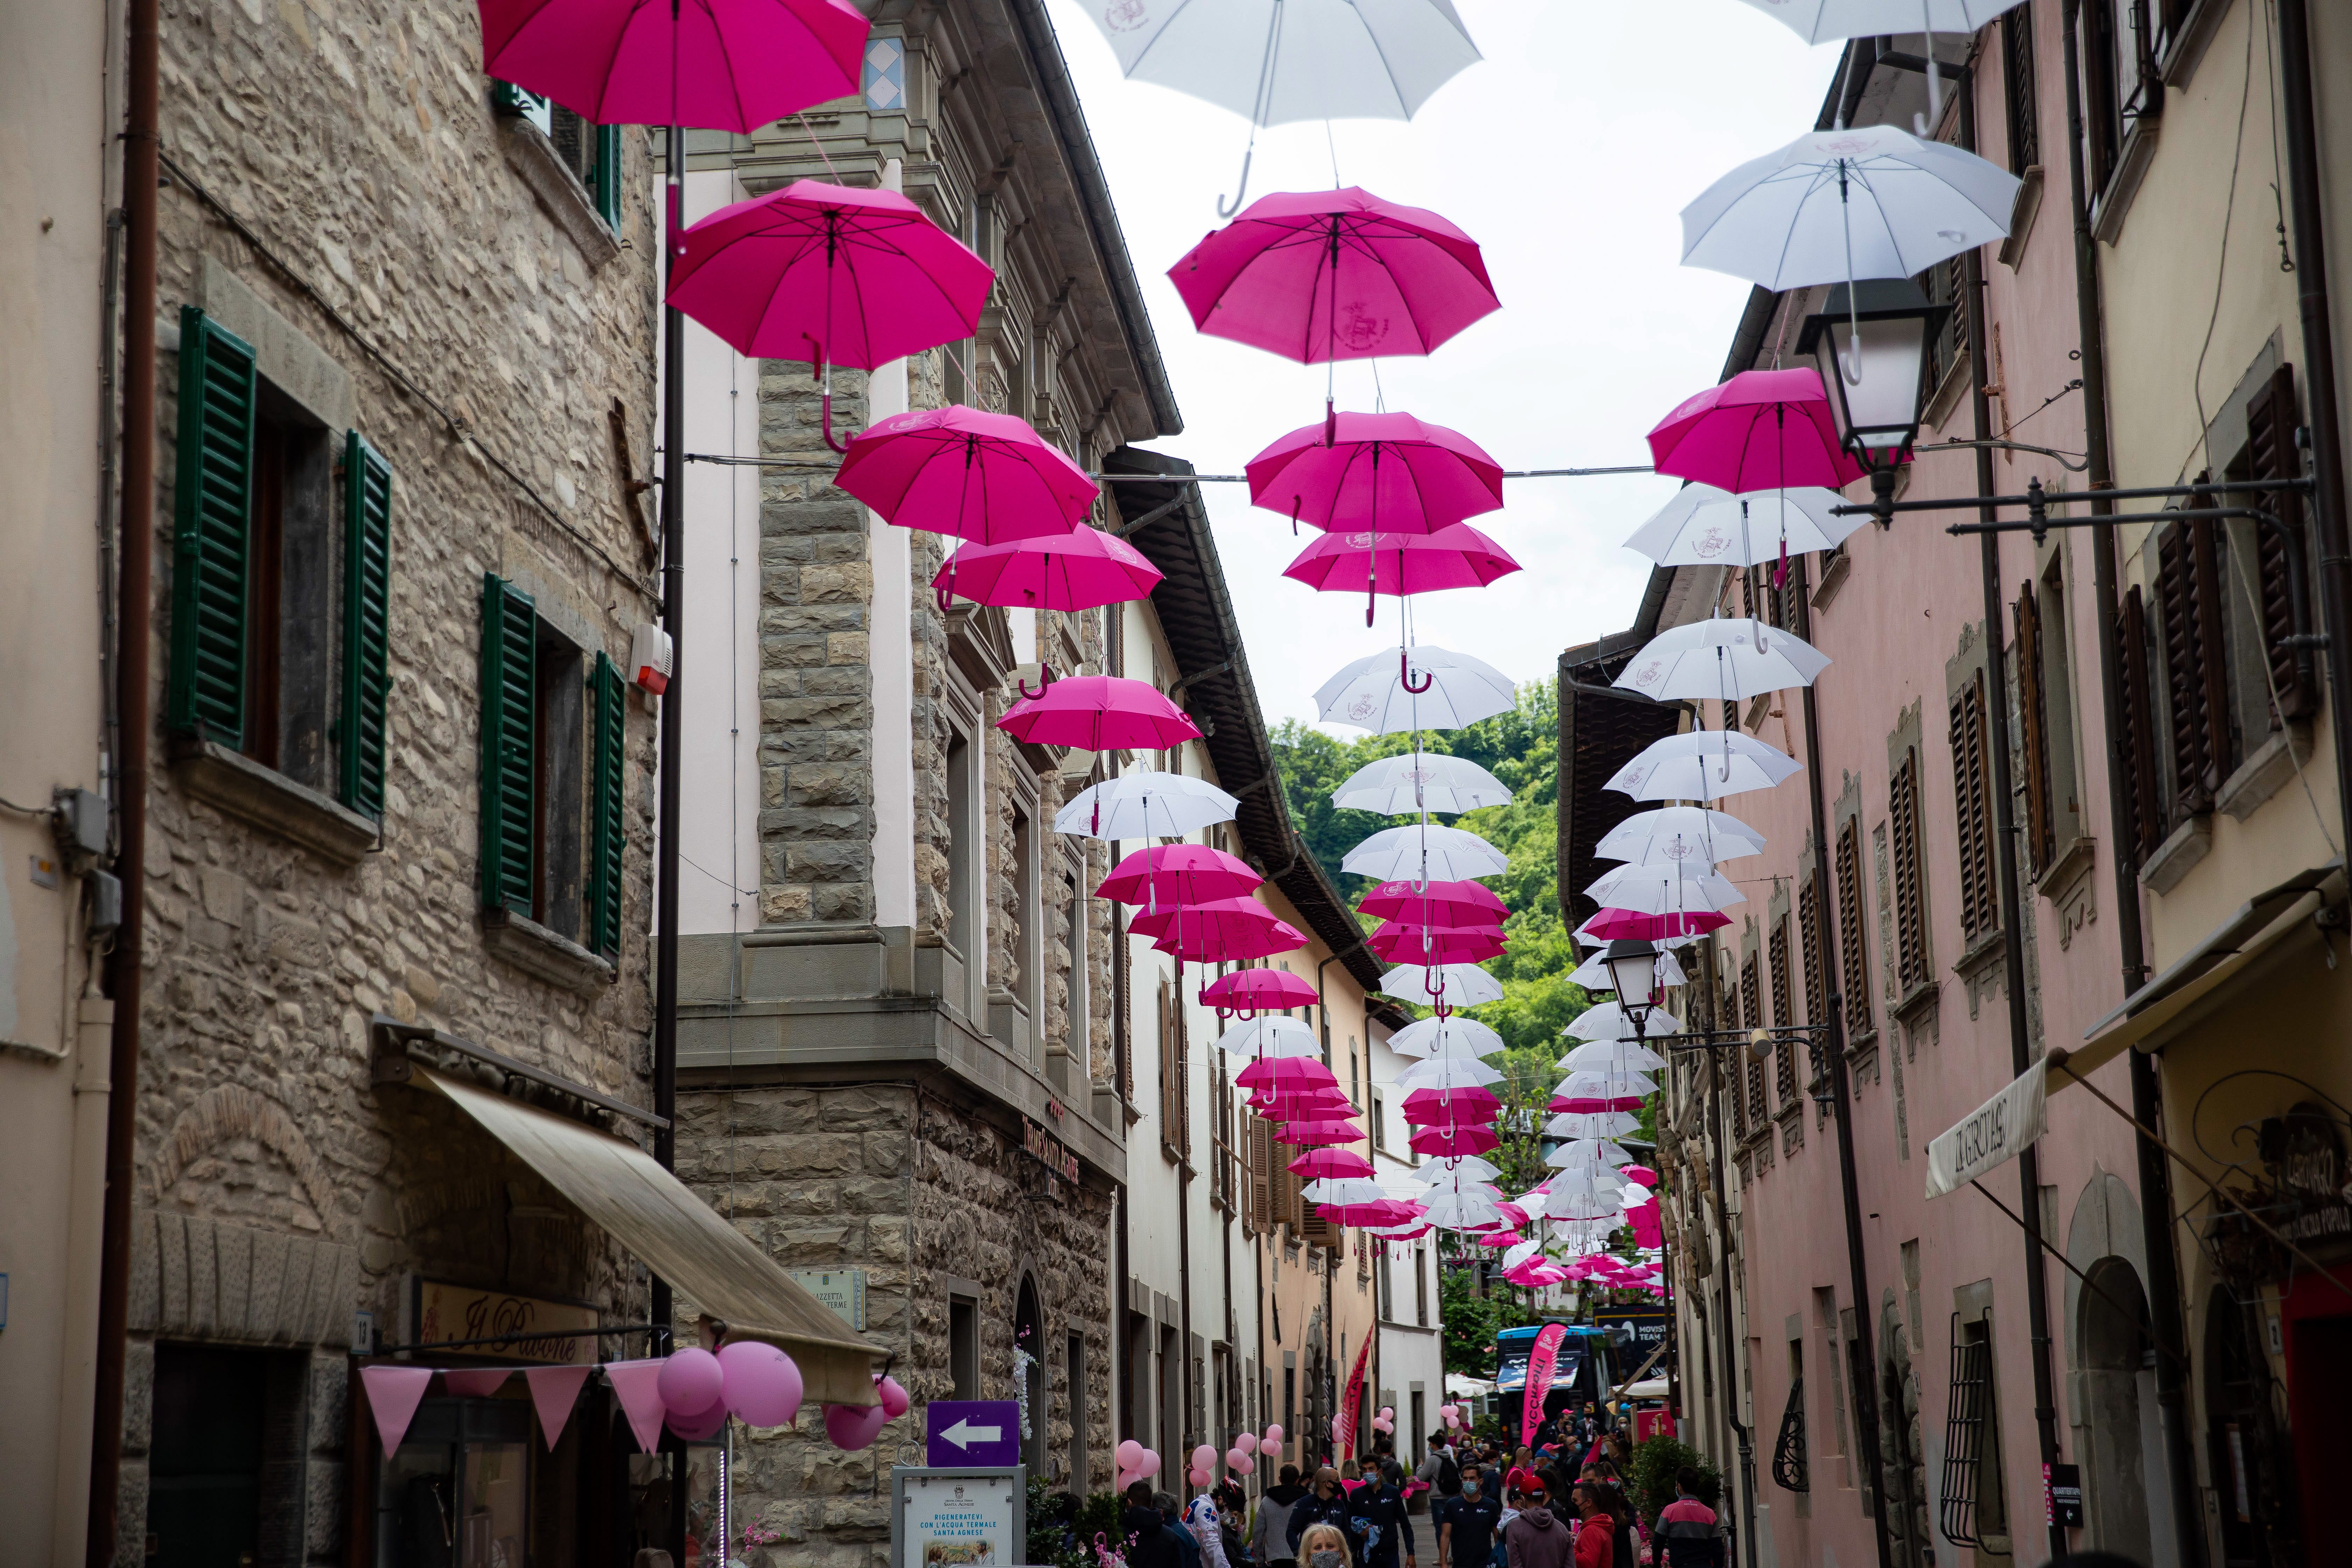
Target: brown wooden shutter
2041, 826
2195, 668
1784, 1068
2137, 748
2271, 420
1731, 1064
1814, 934
1971, 810
1852, 958
1910, 918
1751, 1009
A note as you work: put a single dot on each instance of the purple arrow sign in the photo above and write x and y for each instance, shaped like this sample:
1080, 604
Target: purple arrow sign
972, 1433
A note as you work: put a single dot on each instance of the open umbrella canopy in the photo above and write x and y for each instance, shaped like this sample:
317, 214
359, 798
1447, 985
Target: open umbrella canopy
1075, 571
1469, 1168
1286, 1073
1762, 429
1436, 1106
1609, 924
1411, 782
1612, 1056
1607, 1021
1395, 943
1420, 688
1322, 1131
1593, 973
1144, 805
1447, 1138
1663, 889
1390, 473
1343, 1190
1455, 984
1177, 874
1449, 1211
1580, 1104
816, 270
1609, 1083
717, 65
1702, 765
1681, 834
1588, 1153
1575, 1124
1462, 903
983, 477
1445, 1039
1259, 990
1425, 851
1335, 275
1401, 564
1224, 930
1448, 1072
1728, 657
1098, 713
1377, 1211
1704, 526
1276, 1037
1316, 1163
1321, 59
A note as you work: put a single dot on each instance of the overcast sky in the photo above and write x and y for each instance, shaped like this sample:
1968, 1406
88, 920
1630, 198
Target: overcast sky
1567, 154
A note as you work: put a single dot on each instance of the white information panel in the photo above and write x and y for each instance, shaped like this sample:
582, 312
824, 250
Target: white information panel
957, 1518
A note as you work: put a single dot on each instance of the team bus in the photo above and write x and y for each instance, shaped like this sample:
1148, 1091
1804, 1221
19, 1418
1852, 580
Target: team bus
1582, 1375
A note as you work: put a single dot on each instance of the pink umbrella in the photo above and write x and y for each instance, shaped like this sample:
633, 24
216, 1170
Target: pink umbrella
1445, 903
1435, 1107
720, 65
1560, 1102
1317, 1163
983, 477
1640, 1175
1311, 1134
830, 274
1179, 874
1257, 990
1098, 713
1500, 1239
1284, 1072
1761, 430
1445, 1139
1610, 924
1379, 1211
1399, 944
1225, 913
1376, 472
1304, 1101
1333, 275
1073, 571
1226, 940
1457, 556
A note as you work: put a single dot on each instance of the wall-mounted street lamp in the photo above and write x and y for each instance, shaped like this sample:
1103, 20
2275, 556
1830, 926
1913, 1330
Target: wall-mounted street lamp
1633, 965
1870, 342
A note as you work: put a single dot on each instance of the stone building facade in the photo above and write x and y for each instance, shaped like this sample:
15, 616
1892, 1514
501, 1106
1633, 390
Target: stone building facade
407, 335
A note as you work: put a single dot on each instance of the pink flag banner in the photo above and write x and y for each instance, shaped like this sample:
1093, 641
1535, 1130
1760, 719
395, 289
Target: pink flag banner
394, 1393
475, 1382
1541, 1362
1352, 1403
554, 1390
636, 1384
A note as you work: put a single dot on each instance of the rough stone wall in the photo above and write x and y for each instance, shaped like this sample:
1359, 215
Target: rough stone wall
839, 1178
359, 146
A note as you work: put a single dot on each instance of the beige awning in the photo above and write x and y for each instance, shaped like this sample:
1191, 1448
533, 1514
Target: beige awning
621, 1188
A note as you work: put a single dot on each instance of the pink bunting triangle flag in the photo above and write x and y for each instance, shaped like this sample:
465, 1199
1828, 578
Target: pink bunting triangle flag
394, 1393
475, 1382
554, 1390
636, 1384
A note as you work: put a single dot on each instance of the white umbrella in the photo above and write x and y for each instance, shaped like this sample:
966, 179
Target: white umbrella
1846, 205
1343, 1190
1703, 764
1445, 1038
1679, 833
1318, 59
1589, 1183
1448, 1072
1611, 1084
1468, 1211
1573, 1206
1270, 1037
1414, 782
1704, 526
1730, 658
1425, 852
1664, 889
1589, 1154
1818, 21
1606, 1056
1461, 1166
1371, 694
1145, 805
1593, 973
1525, 1250
1456, 984
1607, 1021
1575, 1124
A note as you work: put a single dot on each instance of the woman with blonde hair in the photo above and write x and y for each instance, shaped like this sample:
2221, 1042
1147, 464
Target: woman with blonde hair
1324, 1546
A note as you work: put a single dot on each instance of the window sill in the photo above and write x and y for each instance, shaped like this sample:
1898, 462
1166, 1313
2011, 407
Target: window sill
2058, 879
1836, 565
2179, 855
263, 797
1949, 388
2021, 217
2114, 203
1980, 955
2189, 42
558, 190
544, 954
2265, 773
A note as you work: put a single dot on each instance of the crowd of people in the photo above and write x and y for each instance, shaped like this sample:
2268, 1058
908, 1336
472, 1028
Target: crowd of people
1560, 1502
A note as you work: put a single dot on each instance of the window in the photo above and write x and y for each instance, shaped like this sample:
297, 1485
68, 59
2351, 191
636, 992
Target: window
2034, 726
552, 774
2123, 40
1946, 283
1790, 1472
963, 1346
593, 152
2270, 453
1853, 960
1751, 1012
2188, 592
1910, 916
1420, 1285
1075, 1352
962, 922
1024, 925
2018, 81
1973, 1505
1810, 930
1175, 1135
1784, 1054
280, 609
1972, 810
1379, 1124
1730, 1007
1388, 1279
223, 1484
1223, 1175
1077, 1027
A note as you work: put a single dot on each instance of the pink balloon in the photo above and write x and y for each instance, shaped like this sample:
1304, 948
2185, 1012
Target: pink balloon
895, 1401
1245, 1444
1128, 1454
1149, 1465
763, 1385
854, 1427
1200, 1479
1205, 1458
1241, 1464
695, 1426
1388, 1411
691, 1379
1274, 1436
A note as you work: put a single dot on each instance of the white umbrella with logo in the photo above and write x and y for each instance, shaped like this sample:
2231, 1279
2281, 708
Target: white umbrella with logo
1704, 526
1703, 764
1425, 852
1728, 657
1418, 688
1416, 782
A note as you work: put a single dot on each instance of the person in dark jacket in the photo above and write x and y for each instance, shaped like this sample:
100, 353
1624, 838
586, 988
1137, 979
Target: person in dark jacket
1149, 1543
1171, 1521
1687, 1533
1327, 1504
1270, 1536
1376, 1516
1535, 1539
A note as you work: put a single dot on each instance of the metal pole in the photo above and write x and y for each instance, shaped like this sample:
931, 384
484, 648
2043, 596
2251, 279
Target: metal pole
673, 728
2154, 1177
1732, 1348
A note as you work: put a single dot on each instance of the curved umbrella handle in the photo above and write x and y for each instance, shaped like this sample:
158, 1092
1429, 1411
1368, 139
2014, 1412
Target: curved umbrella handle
1443, 1012
943, 596
1045, 679
821, 373
1404, 675
1331, 422
1225, 211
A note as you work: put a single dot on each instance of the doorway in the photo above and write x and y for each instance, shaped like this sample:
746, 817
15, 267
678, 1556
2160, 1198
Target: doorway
1029, 1361
209, 1457
2118, 1396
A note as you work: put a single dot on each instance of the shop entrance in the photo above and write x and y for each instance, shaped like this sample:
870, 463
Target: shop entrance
212, 1460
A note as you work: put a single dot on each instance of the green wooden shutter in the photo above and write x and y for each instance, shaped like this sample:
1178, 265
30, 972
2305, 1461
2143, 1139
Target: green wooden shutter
367, 614
211, 523
607, 834
509, 646
605, 178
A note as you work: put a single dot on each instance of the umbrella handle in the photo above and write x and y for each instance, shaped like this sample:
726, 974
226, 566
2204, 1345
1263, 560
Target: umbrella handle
1045, 679
943, 596
1225, 211
1404, 675
821, 373
1331, 422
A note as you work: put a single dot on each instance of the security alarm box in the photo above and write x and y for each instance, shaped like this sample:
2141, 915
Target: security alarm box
650, 658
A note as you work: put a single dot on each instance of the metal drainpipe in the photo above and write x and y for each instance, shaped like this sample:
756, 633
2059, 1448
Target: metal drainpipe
673, 772
1732, 1349
2012, 918
2155, 1176
140, 173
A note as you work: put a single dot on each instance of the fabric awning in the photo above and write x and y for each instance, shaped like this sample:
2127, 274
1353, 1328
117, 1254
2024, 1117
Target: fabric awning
657, 1216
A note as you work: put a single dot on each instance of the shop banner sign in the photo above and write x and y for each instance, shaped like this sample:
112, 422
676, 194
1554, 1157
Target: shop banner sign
958, 1518
1541, 1359
1994, 1133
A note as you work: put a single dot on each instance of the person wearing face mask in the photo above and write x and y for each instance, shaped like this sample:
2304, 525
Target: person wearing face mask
1466, 1522
1327, 1504
1377, 1520
1324, 1546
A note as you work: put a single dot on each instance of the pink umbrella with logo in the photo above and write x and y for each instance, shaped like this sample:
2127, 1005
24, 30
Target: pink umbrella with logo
1179, 874
1379, 473
1225, 941
1609, 925
1761, 430
1098, 713
1444, 1140
1257, 991
720, 65
1322, 1131
1456, 556
1074, 571
1461, 1107
1278, 1073
982, 477
1330, 1161
1396, 942
1443, 903
833, 275
1226, 915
